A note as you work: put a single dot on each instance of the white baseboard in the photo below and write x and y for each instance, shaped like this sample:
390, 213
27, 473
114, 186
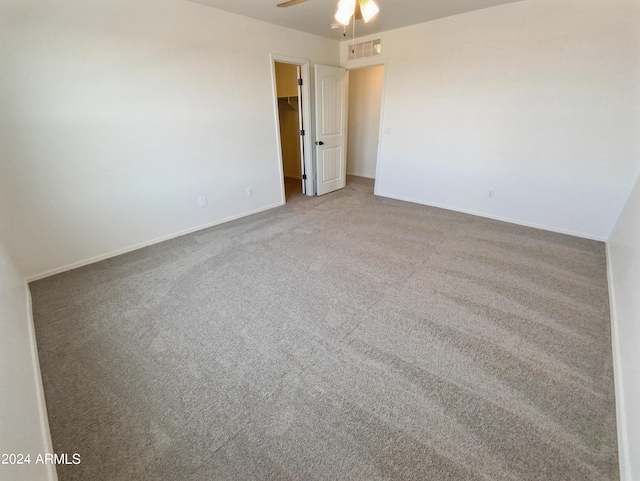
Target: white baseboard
355, 174
134, 247
52, 475
496, 217
621, 419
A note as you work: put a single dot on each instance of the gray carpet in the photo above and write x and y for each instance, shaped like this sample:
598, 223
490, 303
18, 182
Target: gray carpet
343, 337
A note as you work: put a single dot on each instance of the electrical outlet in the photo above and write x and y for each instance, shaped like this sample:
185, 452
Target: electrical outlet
250, 191
203, 201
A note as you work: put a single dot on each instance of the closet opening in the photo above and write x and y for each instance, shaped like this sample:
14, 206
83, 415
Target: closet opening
292, 128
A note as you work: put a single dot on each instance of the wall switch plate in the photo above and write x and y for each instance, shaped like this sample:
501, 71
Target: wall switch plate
250, 191
203, 201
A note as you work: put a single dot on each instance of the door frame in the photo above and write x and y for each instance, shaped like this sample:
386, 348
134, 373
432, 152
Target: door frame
305, 112
375, 62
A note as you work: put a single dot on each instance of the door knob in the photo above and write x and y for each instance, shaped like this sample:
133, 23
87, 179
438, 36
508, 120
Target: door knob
320, 143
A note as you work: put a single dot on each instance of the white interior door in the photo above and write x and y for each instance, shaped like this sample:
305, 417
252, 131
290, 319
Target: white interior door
331, 128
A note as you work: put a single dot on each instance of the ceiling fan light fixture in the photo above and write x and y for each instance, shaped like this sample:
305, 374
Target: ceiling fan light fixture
346, 8
369, 9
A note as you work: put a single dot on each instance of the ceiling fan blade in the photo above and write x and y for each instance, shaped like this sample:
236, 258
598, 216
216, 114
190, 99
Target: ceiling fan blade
357, 13
290, 3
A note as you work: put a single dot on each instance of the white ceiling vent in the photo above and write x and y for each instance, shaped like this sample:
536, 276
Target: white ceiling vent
370, 48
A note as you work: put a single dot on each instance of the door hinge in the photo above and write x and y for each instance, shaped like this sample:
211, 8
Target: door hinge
304, 176
299, 81
302, 132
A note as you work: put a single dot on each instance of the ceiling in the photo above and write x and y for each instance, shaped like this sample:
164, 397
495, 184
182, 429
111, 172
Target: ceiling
316, 16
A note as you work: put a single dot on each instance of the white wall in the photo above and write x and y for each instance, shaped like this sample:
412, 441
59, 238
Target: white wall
530, 100
365, 104
23, 425
117, 115
623, 249
23, 420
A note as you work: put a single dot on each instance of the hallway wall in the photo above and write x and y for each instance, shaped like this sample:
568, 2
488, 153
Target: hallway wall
365, 106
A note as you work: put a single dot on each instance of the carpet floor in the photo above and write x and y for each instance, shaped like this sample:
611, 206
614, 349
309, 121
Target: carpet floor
342, 337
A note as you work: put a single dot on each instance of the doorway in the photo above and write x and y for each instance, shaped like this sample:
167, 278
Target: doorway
365, 108
292, 120
364, 99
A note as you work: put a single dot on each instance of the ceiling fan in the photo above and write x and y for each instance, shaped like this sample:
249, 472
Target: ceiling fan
347, 9
291, 3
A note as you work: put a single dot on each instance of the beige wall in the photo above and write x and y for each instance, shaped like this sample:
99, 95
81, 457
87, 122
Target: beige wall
288, 113
365, 103
290, 138
286, 78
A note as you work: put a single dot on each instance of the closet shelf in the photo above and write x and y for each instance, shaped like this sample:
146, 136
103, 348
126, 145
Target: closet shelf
291, 101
